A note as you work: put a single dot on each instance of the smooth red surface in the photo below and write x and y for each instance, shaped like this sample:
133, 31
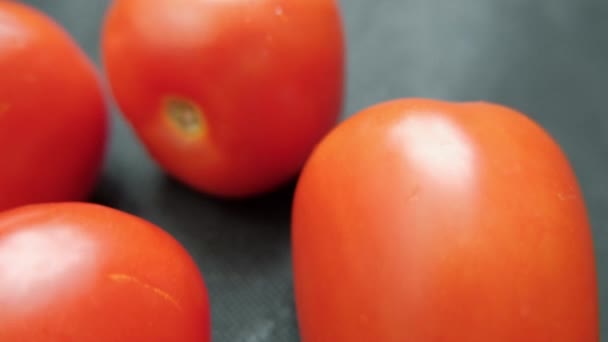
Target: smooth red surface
53, 119
268, 75
423, 220
84, 272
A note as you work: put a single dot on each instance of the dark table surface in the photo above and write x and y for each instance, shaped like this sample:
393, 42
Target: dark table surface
548, 59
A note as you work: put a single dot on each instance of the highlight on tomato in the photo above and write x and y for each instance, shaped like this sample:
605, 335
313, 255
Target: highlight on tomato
428, 220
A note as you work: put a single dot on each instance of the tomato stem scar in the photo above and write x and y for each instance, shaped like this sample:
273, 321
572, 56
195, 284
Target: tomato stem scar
185, 116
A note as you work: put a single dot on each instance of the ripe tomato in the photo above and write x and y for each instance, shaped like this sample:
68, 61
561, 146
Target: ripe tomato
83, 272
227, 96
424, 220
53, 118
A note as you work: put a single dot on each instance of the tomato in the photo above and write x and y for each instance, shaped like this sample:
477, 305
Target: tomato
53, 117
84, 272
228, 97
428, 220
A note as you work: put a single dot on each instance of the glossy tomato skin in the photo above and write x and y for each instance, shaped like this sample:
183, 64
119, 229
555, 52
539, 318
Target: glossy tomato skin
425, 220
84, 272
264, 76
53, 118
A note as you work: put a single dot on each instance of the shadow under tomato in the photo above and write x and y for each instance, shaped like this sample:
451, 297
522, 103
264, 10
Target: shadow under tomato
243, 249
245, 235
110, 192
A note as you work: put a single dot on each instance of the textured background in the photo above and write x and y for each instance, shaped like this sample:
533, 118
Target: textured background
546, 58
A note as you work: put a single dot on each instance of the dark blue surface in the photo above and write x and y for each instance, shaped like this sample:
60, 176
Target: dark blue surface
548, 59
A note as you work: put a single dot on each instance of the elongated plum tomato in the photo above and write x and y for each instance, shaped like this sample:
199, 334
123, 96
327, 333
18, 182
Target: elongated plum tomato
84, 272
227, 96
427, 220
53, 117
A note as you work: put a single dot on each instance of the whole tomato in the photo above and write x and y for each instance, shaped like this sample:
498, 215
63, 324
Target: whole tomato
84, 272
229, 97
427, 220
53, 118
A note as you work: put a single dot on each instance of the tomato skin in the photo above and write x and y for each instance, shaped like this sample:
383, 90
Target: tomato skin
267, 76
84, 272
426, 220
53, 117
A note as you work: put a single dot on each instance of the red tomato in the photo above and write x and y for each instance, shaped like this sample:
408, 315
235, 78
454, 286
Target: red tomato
53, 118
83, 272
424, 220
227, 96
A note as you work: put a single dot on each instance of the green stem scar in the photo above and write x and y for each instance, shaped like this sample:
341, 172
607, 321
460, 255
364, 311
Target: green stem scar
185, 116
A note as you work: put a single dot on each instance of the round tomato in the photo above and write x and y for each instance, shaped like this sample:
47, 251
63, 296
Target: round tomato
427, 220
229, 97
53, 118
84, 272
